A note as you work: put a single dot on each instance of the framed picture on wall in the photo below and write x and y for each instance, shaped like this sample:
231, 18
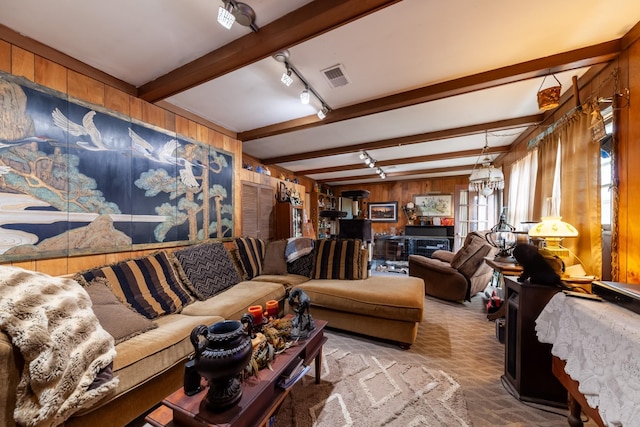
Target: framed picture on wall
434, 204
383, 212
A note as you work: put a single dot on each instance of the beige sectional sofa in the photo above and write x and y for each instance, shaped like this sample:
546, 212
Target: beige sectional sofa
149, 365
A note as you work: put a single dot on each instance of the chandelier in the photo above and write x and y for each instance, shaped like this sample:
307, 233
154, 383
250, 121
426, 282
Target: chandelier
485, 178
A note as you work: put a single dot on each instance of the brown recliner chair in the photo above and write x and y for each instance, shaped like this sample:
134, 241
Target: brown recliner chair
455, 276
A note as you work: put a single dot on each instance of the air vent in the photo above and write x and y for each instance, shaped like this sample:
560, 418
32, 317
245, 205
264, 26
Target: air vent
336, 76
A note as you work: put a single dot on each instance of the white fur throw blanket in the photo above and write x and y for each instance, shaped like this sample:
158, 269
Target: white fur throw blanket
67, 355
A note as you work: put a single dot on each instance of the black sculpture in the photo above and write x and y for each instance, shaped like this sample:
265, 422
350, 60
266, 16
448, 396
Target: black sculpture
302, 323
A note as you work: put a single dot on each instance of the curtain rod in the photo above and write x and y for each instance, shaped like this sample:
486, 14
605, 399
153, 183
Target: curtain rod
533, 142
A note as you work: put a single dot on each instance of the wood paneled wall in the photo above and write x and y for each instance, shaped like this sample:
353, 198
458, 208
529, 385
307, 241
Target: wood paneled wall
20, 62
402, 192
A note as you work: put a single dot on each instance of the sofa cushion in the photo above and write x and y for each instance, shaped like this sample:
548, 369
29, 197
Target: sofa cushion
287, 280
208, 269
401, 298
114, 316
150, 284
251, 252
302, 266
233, 302
472, 244
338, 259
275, 261
474, 262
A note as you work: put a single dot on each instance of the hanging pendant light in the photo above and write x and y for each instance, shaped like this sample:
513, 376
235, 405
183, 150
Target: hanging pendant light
485, 179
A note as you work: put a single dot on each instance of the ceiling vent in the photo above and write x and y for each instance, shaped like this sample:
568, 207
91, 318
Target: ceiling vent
336, 76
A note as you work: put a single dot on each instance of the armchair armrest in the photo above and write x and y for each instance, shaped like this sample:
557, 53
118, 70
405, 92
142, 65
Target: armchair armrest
440, 279
443, 255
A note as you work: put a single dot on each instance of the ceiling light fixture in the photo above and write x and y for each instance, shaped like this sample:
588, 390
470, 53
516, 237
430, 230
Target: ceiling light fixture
369, 161
232, 11
486, 178
305, 96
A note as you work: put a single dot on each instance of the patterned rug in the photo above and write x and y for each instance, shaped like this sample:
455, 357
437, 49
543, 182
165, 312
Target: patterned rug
359, 390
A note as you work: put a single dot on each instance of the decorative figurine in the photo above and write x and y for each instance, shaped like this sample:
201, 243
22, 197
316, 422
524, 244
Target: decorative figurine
302, 323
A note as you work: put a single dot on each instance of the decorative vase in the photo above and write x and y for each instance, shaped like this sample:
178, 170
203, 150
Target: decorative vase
222, 351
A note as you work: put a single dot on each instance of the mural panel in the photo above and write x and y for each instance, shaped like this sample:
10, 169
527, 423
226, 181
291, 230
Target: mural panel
76, 178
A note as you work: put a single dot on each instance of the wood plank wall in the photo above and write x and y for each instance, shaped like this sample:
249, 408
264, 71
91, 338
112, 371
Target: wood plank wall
20, 62
402, 192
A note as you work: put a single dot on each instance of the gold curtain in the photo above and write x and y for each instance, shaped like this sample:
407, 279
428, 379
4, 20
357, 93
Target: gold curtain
580, 183
579, 179
547, 159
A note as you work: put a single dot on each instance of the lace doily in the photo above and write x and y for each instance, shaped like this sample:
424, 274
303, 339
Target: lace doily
600, 343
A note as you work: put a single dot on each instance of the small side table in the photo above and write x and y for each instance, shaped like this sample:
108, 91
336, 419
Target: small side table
501, 269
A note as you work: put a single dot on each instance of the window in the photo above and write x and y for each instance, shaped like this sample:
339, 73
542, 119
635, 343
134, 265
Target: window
474, 212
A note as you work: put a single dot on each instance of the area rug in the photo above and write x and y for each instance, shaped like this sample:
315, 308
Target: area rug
358, 390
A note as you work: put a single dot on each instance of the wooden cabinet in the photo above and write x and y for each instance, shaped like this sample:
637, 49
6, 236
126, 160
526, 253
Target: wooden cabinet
288, 221
527, 369
257, 210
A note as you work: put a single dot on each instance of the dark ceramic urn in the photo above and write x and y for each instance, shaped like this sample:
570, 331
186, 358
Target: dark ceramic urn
222, 351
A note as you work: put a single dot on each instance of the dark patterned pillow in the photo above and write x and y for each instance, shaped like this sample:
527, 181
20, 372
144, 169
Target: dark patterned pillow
251, 251
303, 265
150, 285
338, 259
208, 269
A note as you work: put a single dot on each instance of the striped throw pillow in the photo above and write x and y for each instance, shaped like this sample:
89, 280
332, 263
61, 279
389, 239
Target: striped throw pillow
150, 285
338, 259
251, 252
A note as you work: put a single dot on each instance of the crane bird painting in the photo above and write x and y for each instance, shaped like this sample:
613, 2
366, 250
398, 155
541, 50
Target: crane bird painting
69, 168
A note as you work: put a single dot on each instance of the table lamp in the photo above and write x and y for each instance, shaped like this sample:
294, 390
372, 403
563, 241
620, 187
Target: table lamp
552, 229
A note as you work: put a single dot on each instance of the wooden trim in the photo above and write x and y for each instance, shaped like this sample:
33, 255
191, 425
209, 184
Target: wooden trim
63, 59
307, 22
407, 160
195, 118
398, 174
574, 59
411, 139
557, 367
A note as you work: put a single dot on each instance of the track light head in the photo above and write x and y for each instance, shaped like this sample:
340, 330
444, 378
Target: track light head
286, 78
304, 96
322, 113
225, 15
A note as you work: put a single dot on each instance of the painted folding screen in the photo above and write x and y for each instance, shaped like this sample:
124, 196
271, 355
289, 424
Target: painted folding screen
76, 178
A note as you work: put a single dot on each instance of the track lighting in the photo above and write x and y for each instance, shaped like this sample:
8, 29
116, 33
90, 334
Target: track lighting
369, 161
231, 11
225, 17
286, 78
304, 96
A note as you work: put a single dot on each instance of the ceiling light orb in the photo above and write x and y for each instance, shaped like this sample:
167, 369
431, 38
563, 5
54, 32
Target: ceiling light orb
225, 15
304, 96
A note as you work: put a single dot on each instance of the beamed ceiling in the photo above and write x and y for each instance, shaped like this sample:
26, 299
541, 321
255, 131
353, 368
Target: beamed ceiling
429, 83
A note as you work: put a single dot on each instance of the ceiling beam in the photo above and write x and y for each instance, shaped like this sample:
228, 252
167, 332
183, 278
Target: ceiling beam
392, 175
407, 160
574, 59
411, 139
307, 22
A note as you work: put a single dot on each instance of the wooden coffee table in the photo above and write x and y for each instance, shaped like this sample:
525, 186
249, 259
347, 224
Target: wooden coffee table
261, 396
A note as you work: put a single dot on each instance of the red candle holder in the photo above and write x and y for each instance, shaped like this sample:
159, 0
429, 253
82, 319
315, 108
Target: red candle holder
256, 311
272, 308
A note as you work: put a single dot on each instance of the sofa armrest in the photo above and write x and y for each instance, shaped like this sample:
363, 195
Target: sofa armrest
10, 367
443, 255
